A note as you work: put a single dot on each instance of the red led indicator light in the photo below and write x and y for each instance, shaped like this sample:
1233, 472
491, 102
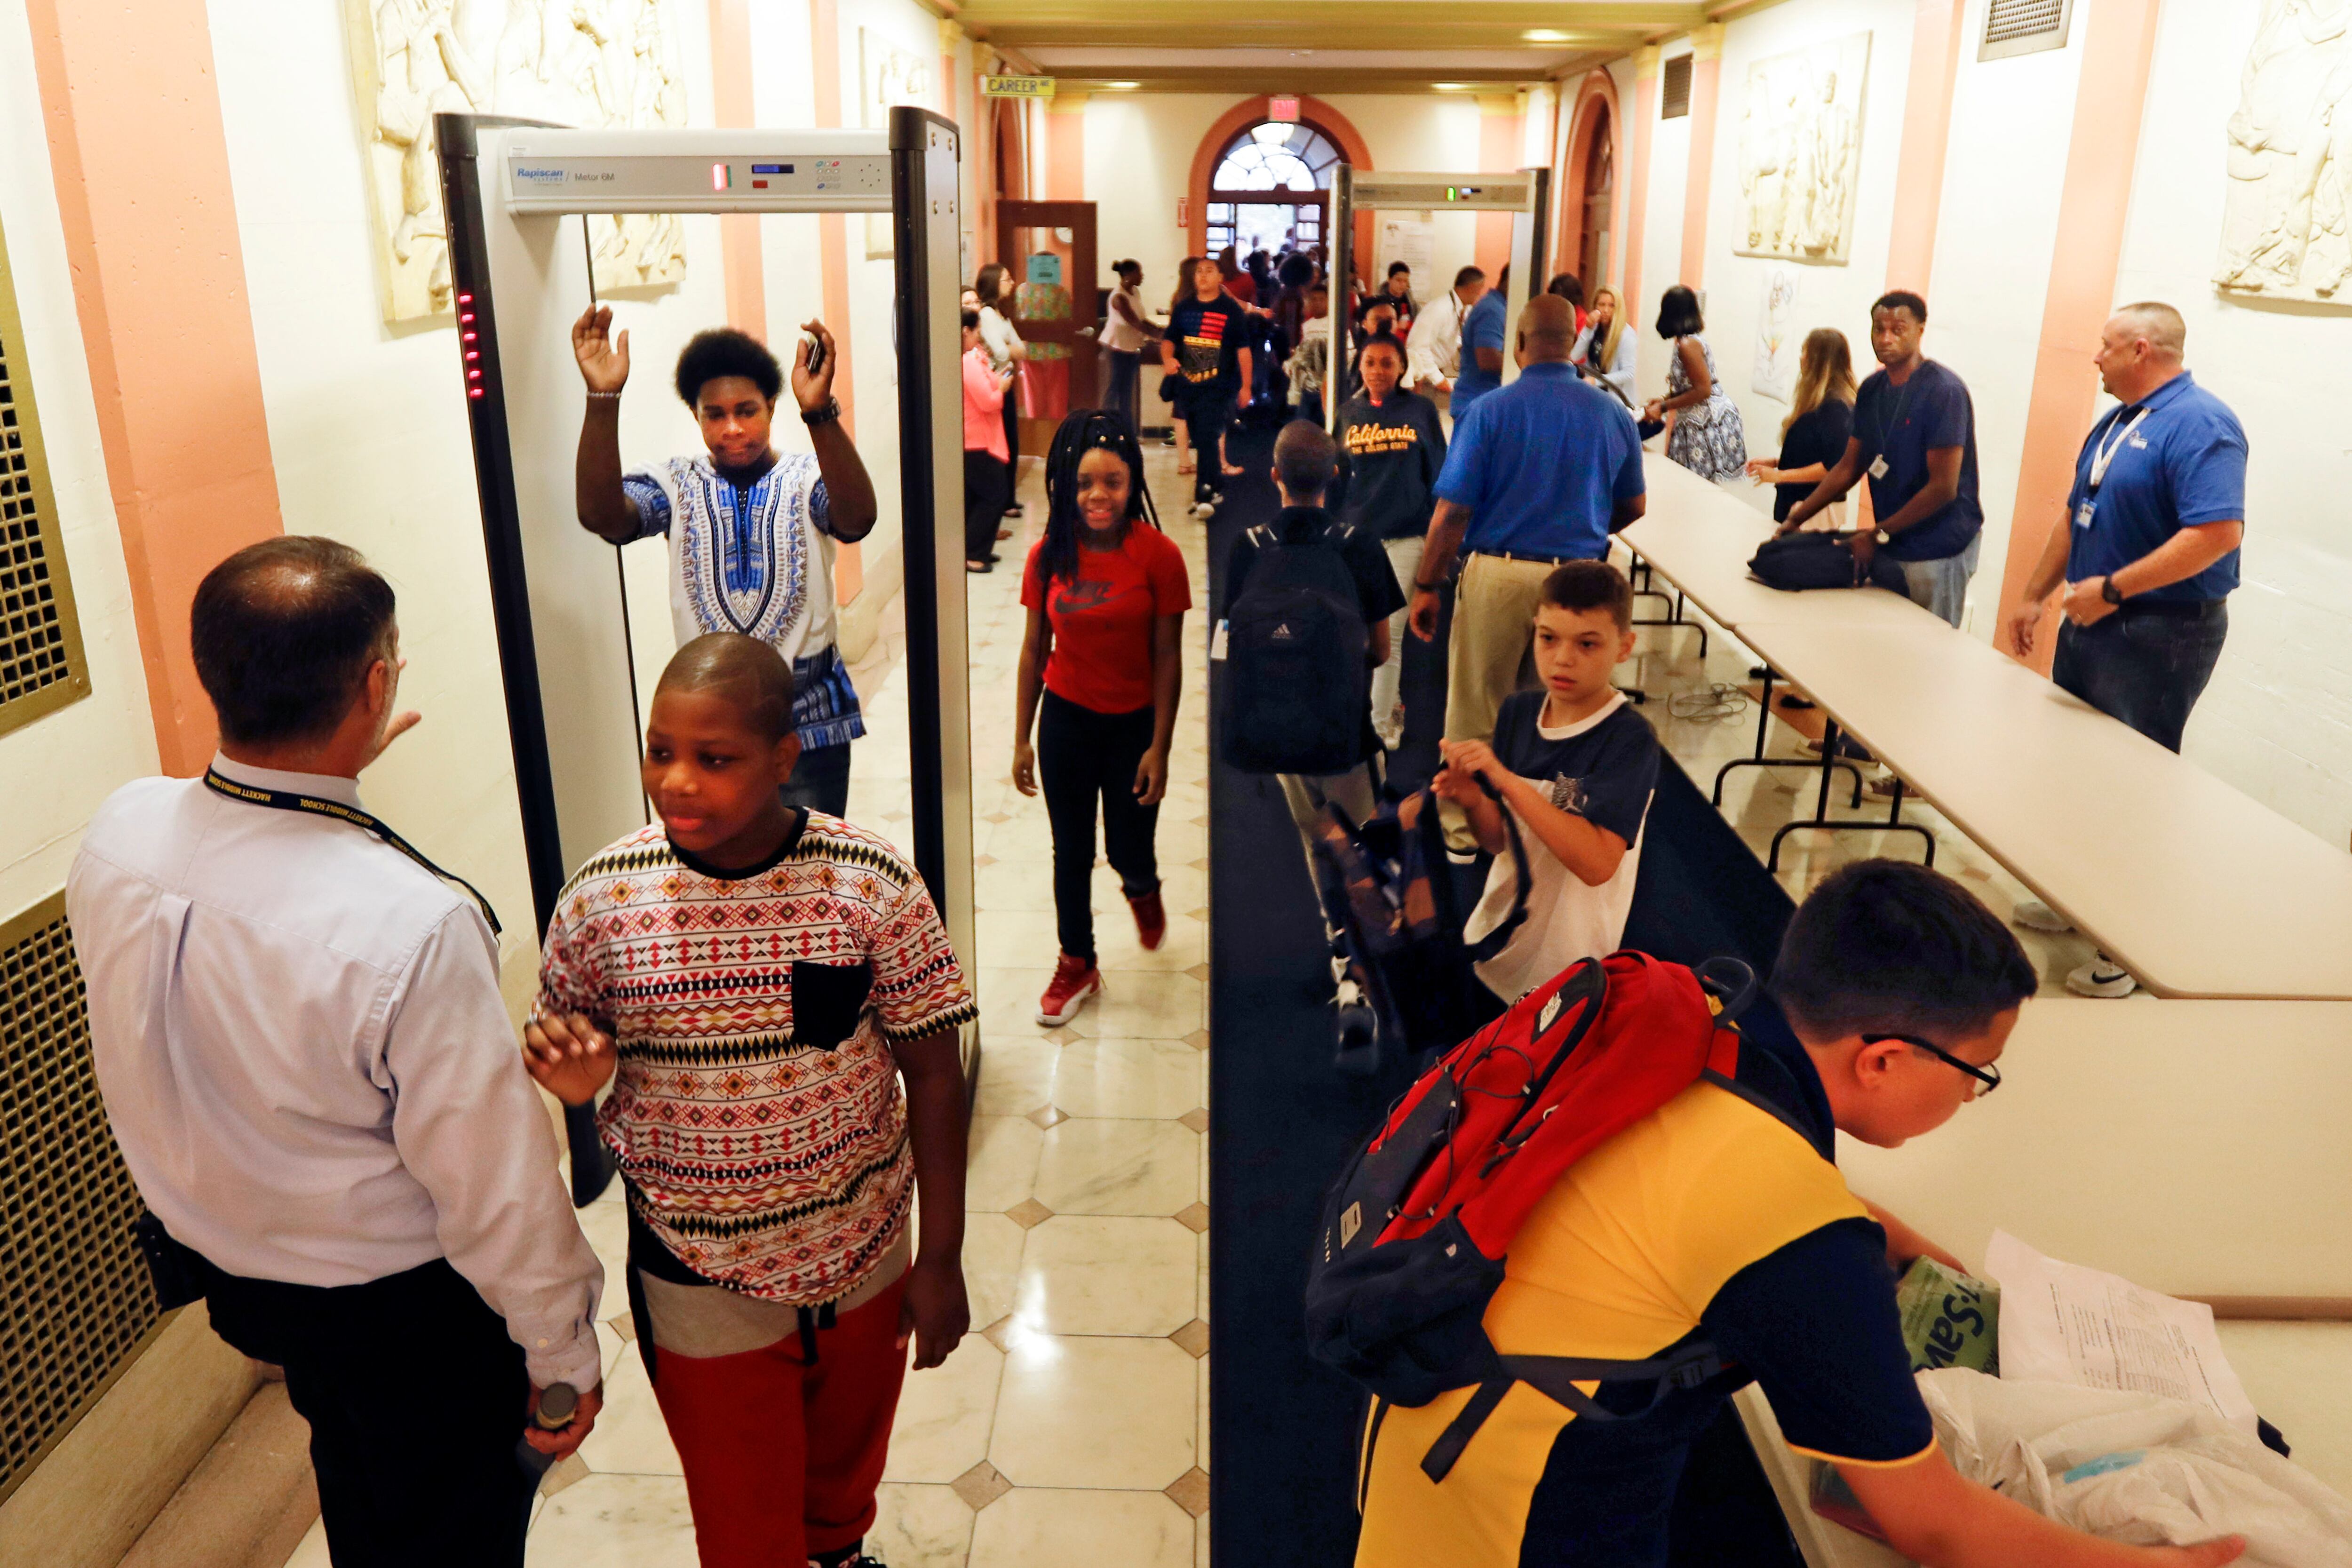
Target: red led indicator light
473, 391
473, 353
466, 316
465, 299
759, 185
471, 336
473, 375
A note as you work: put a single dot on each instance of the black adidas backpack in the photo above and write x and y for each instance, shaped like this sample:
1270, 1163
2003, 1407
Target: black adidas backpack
1297, 690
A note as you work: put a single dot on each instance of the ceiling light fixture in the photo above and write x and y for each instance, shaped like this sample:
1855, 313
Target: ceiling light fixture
1544, 35
1122, 86
1446, 86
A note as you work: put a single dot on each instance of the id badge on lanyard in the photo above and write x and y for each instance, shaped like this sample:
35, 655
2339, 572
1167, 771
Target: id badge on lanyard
2103, 454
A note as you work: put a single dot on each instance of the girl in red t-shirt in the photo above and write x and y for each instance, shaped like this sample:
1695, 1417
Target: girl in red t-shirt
1100, 670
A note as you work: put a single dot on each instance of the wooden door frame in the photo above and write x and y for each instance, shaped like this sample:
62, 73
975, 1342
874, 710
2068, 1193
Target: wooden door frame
1078, 217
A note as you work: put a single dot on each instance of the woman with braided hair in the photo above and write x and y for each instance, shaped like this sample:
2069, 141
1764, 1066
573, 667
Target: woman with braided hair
1101, 667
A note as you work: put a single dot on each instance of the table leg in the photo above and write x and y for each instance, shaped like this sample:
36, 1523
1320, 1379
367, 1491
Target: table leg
1676, 618
1763, 724
1822, 818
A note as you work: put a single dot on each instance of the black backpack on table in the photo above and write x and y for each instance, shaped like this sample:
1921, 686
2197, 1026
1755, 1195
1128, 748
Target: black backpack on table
1297, 690
1819, 560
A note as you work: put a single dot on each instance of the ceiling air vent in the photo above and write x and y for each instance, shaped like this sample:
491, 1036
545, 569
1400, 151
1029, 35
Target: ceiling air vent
1674, 95
2024, 27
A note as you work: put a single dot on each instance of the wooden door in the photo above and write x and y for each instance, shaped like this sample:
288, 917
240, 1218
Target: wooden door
1593, 254
1063, 378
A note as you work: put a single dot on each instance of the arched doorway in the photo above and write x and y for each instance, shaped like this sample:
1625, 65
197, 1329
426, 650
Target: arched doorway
1234, 125
1270, 188
1589, 185
1600, 190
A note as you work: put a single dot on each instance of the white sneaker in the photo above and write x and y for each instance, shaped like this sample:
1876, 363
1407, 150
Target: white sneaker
2103, 976
2039, 916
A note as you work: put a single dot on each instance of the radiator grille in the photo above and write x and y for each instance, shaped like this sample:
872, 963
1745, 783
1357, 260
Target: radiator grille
2024, 27
75, 1300
40, 646
1673, 89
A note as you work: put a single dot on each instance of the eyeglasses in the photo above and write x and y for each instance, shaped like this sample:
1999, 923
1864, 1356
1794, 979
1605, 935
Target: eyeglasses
1988, 1078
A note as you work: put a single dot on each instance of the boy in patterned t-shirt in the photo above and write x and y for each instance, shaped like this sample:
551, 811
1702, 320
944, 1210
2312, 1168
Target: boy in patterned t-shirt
762, 975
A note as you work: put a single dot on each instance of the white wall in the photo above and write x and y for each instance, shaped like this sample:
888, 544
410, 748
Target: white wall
2004, 176
55, 771
1662, 232
2277, 720
1827, 296
367, 426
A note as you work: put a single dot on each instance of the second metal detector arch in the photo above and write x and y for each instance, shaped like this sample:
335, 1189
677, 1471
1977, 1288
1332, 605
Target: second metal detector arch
1524, 193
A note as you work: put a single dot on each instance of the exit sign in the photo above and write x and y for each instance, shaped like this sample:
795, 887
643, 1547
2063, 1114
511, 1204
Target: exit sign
1285, 109
1016, 87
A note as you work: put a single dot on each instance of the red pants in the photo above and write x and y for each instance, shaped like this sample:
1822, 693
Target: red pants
782, 1457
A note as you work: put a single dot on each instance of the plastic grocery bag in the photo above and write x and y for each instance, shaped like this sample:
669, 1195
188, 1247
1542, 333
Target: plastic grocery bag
1948, 1318
2136, 1467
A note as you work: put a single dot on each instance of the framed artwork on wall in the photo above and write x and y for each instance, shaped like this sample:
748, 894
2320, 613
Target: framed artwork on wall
888, 74
1800, 151
607, 64
2285, 221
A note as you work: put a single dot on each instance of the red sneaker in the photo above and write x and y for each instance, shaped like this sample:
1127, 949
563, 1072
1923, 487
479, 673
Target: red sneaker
1150, 920
1074, 980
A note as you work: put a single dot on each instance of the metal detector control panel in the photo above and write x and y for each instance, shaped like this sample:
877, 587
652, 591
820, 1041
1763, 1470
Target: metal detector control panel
569, 172
1473, 193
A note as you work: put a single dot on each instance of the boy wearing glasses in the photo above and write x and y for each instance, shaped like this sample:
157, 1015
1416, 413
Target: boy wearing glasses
1722, 1217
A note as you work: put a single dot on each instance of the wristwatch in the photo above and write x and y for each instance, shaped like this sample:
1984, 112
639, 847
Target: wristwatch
824, 413
2110, 592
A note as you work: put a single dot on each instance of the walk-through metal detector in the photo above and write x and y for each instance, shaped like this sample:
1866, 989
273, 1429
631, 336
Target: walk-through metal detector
520, 276
1525, 195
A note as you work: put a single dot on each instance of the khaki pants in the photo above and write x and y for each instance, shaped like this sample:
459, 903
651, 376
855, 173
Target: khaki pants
1489, 657
1352, 792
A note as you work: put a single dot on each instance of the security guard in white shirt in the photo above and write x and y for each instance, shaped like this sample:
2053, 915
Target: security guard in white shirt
297, 1030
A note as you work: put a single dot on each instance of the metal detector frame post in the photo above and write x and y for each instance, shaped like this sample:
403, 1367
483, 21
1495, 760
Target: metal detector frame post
556, 596
1524, 193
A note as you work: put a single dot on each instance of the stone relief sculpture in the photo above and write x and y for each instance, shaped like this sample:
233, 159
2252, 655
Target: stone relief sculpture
604, 63
889, 75
1800, 151
2284, 225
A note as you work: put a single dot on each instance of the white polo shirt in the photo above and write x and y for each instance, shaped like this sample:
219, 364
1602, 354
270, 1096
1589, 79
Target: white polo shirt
299, 1038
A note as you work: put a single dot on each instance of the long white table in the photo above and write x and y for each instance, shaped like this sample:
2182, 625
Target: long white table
1701, 538
2194, 1147
2196, 887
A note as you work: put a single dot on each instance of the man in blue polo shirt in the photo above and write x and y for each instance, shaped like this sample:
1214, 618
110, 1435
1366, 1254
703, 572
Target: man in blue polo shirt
1915, 434
1539, 473
2148, 555
1482, 348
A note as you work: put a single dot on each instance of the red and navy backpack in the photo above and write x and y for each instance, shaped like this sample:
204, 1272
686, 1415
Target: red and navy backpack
1415, 1231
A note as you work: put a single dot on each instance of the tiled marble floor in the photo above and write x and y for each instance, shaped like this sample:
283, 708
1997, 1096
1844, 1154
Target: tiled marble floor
1072, 1425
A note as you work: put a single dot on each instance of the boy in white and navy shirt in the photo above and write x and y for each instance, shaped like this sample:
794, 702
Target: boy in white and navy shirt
1576, 765
751, 532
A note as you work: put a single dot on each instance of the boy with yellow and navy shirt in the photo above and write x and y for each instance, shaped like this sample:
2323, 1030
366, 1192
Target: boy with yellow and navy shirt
1722, 1217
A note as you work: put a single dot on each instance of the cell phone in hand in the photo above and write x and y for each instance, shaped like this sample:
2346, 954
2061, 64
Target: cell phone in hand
815, 351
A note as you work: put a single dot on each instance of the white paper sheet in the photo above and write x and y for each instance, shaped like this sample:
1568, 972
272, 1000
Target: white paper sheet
2060, 1323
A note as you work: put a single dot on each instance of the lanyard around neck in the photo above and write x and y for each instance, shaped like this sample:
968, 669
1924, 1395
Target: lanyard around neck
2103, 452
293, 800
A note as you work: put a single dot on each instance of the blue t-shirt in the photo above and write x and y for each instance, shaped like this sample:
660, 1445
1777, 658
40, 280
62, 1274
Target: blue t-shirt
1482, 327
1928, 412
2181, 465
1541, 466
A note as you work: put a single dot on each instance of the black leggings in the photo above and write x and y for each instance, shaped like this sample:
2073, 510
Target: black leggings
1084, 756
1207, 413
985, 495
